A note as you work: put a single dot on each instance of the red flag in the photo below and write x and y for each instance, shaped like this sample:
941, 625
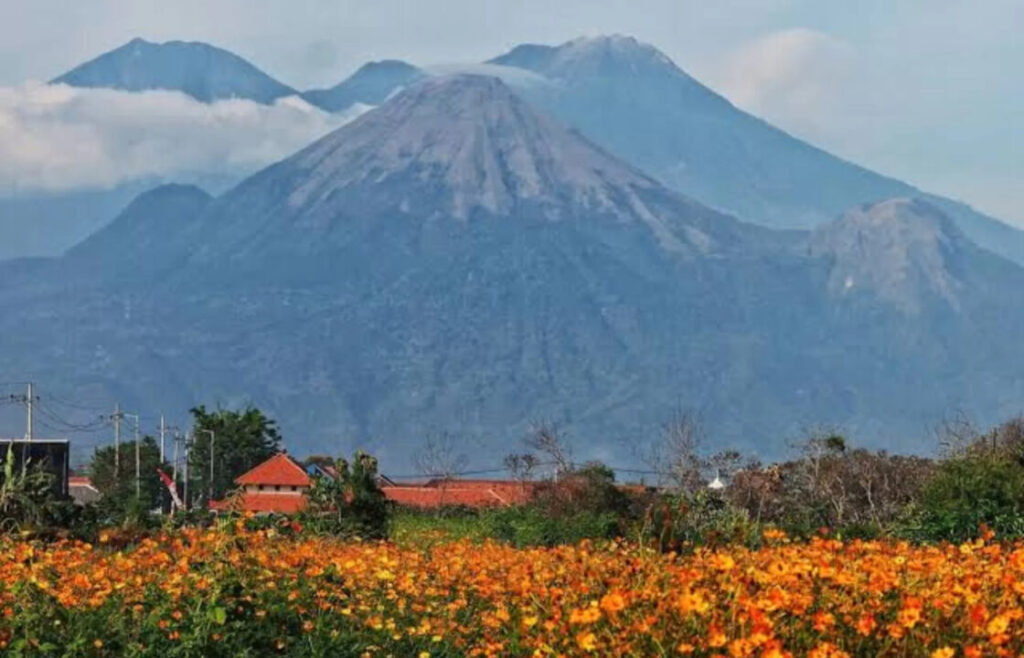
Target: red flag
169, 483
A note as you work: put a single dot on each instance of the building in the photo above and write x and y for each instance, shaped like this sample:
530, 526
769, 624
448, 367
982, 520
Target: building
277, 486
82, 490
51, 454
466, 493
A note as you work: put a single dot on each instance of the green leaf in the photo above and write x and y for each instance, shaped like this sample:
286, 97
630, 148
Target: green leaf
219, 615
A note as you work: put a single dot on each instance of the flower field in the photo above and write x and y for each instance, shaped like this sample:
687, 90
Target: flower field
232, 592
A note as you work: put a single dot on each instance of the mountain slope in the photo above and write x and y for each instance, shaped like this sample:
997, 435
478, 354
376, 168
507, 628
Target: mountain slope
455, 260
633, 100
459, 148
372, 84
150, 226
200, 70
907, 253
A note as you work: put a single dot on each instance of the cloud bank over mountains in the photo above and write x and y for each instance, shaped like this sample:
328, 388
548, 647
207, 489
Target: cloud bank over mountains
796, 73
56, 137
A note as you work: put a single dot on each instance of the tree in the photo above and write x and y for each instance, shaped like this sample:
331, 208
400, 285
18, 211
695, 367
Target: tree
967, 493
675, 456
240, 440
549, 440
981, 482
521, 466
121, 490
441, 460
26, 494
833, 485
351, 505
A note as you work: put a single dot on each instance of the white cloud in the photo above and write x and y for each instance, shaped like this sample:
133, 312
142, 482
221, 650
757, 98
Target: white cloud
794, 76
56, 137
510, 75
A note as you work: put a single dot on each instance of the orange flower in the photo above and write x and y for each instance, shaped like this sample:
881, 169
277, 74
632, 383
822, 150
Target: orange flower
586, 641
613, 602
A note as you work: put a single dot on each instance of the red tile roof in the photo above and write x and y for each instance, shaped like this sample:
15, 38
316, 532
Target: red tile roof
262, 503
471, 493
278, 470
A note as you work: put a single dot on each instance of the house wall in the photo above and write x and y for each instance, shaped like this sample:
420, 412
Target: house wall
276, 489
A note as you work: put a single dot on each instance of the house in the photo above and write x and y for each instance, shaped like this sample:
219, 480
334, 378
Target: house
277, 486
82, 490
468, 493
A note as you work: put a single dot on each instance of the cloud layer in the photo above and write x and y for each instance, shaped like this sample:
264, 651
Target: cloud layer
56, 137
793, 76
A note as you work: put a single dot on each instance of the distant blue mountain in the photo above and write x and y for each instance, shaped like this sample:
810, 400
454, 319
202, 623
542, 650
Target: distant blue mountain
633, 100
200, 70
372, 84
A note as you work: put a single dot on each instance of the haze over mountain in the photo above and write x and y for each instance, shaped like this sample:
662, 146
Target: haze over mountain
202, 71
456, 260
372, 84
633, 100
622, 94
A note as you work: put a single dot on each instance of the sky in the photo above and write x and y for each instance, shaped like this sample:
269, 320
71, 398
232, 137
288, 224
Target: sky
928, 91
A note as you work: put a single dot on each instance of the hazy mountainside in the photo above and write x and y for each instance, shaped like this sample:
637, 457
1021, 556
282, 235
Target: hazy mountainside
200, 70
140, 238
633, 100
624, 95
907, 253
455, 260
372, 84
46, 224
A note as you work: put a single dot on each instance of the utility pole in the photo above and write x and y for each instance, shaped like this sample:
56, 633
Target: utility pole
213, 437
174, 466
29, 398
117, 441
185, 500
163, 429
138, 455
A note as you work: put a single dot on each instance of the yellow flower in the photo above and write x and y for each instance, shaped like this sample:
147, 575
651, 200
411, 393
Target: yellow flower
586, 641
944, 652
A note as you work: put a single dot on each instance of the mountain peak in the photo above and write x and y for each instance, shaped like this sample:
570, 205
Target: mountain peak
386, 65
372, 84
456, 154
473, 137
203, 71
902, 250
136, 240
601, 55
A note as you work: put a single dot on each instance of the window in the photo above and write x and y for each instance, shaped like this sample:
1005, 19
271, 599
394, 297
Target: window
277, 487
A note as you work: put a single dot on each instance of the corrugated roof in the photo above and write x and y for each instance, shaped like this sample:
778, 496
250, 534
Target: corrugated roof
278, 470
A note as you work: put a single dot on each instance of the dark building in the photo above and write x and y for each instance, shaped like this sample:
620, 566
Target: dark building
52, 455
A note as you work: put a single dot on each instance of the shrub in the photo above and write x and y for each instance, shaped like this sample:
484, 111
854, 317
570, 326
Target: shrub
967, 493
674, 522
349, 505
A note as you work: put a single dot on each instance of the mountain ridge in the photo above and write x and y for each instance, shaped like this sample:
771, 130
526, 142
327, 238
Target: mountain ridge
372, 84
204, 72
633, 100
